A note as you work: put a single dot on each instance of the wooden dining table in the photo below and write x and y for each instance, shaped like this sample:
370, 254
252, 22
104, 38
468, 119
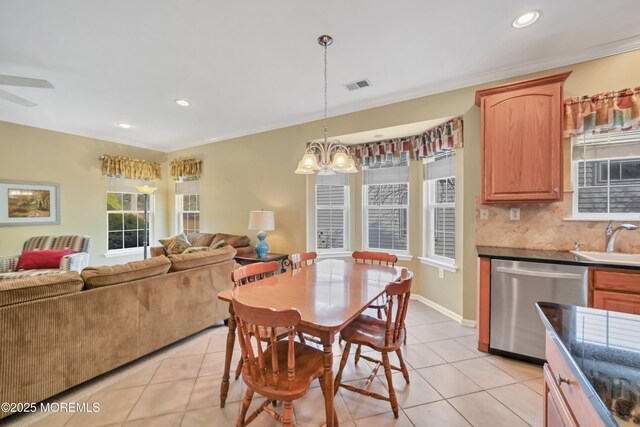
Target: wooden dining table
329, 295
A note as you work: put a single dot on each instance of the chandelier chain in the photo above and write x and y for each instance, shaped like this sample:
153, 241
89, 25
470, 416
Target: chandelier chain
325, 92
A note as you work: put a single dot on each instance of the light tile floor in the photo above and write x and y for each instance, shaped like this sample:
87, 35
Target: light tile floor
452, 384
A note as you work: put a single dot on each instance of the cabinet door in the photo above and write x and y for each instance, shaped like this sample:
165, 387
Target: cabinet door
522, 145
556, 412
616, 301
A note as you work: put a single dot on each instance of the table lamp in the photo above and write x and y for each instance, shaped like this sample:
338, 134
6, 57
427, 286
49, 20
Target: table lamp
262, 221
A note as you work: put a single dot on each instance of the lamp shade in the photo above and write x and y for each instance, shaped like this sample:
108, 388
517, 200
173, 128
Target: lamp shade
261, 220
146, 189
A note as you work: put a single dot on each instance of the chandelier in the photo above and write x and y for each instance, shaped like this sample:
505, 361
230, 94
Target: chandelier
334, 156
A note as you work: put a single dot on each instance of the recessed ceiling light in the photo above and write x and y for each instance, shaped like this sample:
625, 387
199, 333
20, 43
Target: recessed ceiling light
124, 125
526, 19
183, 102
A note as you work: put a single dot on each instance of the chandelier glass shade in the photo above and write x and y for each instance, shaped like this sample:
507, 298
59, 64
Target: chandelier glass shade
325, 157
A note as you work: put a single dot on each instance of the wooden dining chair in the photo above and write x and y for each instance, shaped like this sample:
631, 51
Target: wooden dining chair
251, 273
281, 371
377, 258
383, 336
302, 259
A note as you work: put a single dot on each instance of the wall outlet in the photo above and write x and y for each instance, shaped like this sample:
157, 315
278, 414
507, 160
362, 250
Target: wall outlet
441, 273
514, 214
484, 214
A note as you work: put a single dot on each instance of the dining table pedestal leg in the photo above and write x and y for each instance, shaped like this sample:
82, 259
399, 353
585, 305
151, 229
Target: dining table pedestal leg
231, 338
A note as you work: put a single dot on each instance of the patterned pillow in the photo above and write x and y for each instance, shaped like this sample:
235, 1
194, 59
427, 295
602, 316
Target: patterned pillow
218, 245
176, 244
195, 249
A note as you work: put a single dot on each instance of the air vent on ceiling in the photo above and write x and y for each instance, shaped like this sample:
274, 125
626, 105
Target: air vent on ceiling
358, 85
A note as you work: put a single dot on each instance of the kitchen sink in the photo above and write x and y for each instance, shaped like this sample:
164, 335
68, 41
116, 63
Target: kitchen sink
609, 258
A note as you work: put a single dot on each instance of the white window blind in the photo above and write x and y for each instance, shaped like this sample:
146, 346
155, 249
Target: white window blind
331, 212
386, 209
440, 174
606, 173
392, 175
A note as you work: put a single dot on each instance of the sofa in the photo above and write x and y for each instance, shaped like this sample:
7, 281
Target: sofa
242, 244
63, 329
76, 261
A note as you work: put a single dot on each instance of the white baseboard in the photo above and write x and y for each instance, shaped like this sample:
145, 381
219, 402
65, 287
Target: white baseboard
445, 311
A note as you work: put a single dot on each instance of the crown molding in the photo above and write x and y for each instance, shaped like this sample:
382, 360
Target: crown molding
502, 73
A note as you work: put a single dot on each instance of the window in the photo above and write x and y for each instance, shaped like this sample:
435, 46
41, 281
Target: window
606, 175
332, 213
125, 219
386, 209
441, 207
188, 206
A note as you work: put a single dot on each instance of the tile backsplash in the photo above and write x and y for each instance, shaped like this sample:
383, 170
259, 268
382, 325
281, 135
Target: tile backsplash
542, 226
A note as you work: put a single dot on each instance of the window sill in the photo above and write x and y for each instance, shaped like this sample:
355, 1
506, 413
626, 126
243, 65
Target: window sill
439, 264
327, 255
601, 219
123, 252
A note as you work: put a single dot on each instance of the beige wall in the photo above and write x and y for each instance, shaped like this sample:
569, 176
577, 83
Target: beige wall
37, 155
256, 172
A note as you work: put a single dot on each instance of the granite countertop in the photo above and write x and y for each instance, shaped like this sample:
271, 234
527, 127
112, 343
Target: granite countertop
602, 348
537, 255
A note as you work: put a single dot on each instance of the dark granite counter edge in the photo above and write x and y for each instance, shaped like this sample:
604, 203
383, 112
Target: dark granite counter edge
596, 402
534, 255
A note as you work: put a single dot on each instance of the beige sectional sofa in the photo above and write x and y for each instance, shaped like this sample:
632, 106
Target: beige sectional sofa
60, 330
242, 244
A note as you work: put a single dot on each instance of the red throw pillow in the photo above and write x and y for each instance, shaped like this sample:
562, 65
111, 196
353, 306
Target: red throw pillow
42, 259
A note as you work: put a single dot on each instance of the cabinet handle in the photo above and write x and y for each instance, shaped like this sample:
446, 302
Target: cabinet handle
556, 190
560, 380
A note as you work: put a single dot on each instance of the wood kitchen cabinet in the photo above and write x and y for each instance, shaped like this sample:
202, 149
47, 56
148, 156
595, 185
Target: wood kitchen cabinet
565, 402
615, 290
521, 137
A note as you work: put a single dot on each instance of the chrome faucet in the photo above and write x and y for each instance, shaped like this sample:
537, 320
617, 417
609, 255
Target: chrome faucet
612, 233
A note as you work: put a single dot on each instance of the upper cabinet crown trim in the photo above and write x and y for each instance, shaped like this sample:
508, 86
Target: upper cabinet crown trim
523, 84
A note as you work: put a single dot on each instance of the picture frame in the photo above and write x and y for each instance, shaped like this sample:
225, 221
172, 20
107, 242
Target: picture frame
29, 203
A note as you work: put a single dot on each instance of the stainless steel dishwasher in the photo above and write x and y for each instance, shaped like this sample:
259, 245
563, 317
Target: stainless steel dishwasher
516, 329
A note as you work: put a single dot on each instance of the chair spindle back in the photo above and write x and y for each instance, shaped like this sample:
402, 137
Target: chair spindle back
252, 272
302, 259
398, 294
379, 258
253, 323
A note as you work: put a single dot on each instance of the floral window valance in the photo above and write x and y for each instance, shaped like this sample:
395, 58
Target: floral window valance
127, 167
604, 112
188, 168
445, 136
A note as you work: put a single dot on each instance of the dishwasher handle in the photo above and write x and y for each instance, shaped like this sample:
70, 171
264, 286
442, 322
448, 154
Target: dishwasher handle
546, 274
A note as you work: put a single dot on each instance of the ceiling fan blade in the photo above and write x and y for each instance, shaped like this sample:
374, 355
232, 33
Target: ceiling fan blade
24, 82
16, 99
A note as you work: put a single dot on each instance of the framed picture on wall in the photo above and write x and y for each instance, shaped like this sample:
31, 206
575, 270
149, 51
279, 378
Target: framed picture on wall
29, 203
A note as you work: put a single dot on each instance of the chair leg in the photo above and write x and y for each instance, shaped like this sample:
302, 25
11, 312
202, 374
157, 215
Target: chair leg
246, 402
239, 368
392, 391
405, 334
356, 359
343, 362
287, 414
403, 366
380, 313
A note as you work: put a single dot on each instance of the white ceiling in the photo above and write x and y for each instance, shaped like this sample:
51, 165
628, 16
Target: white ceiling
254, 65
